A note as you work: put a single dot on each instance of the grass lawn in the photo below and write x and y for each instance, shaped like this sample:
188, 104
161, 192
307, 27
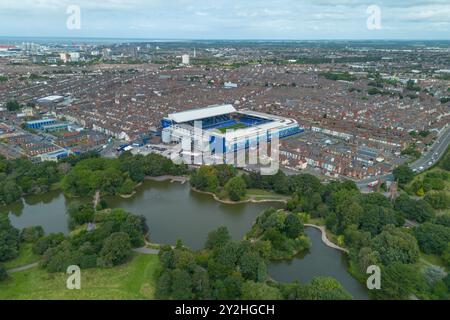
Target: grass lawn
428, 259
258, 194
26, 256
132, 281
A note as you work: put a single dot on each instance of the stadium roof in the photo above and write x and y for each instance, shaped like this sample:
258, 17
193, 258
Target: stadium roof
198, 114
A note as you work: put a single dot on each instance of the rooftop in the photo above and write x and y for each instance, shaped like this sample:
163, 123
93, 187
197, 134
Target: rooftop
198, 114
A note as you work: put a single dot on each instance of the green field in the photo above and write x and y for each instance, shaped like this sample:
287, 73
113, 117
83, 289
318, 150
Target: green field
233, 127
132, 281
257, 194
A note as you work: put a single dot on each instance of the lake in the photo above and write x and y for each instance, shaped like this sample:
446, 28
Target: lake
174, 211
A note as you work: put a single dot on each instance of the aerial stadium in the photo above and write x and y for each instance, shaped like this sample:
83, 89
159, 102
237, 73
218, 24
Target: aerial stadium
223, 129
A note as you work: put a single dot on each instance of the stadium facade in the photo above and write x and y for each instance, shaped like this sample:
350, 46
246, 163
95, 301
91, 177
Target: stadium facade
223, 129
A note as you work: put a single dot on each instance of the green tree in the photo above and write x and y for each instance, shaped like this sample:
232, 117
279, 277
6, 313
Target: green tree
9, 239
445, 162
31, 234
374, 218
218, 238
419, 211
253, 267
163, 288
3, 274
293, 226
236, 188
80, 214
446, 255
225, 173
323, 288
50, 241
438, 200
399, 282
181, 285
259, 291
394, 245
205, 179
13, 105
432, 238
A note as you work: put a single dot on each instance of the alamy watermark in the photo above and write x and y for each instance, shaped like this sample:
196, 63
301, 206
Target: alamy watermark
74, 280
74, 19
374, 281
374, 19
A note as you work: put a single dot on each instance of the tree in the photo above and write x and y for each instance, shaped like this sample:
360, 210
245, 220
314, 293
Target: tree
419, 211
253, 267
10, 192
31, 234
164, 285
50, 241
9, 239
438, 200
80, 214
403, 174
205, 179
446, 255
218, 238
259, 291
304, 184
293, 226
181, 285
13, 105
399, 281
394, 245
230, 288
443, 220
200, 284
236, 188
116, 250
3, 274
324, 288
367, 257
445, 162
432, 238
374, 218
225, 173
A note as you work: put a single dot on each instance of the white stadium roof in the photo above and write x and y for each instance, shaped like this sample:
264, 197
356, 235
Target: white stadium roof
203, 113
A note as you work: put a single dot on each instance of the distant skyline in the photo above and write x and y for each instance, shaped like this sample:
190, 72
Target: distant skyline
228, 19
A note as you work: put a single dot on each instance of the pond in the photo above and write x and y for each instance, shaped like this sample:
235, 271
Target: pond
174, 212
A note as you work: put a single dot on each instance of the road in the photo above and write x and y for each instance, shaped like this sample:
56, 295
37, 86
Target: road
427, 160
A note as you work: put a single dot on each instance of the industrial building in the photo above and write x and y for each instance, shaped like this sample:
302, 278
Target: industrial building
224, 129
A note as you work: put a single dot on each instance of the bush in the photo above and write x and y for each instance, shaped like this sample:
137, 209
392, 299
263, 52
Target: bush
9, 239
50, 241
116, 250
432, 238
438, 200
236, 188
80, 214
403, 174
3, 274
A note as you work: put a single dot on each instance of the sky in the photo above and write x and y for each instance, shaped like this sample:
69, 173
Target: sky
228, 19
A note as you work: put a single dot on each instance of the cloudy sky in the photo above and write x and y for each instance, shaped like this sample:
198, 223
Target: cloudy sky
228, 19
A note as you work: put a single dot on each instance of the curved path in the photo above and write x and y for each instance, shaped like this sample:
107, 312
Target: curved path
145, 250
23, 268
325, 239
